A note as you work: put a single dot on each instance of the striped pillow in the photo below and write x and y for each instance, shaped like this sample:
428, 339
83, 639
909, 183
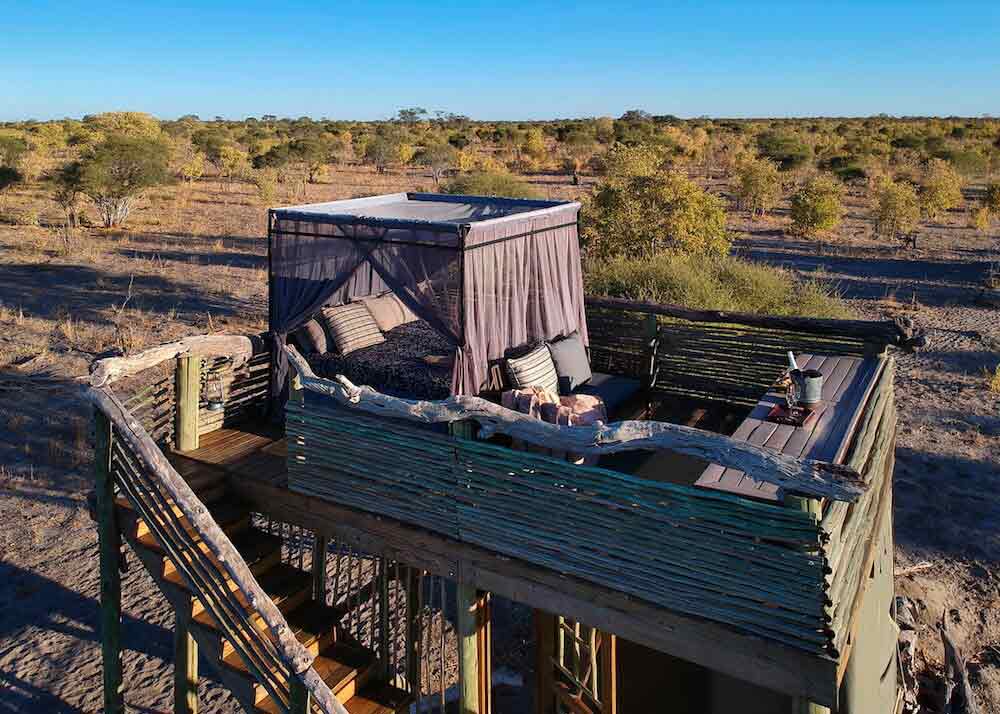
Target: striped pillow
535, 369
351, 327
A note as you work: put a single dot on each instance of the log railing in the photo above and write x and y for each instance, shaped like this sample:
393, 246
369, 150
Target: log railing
201, 552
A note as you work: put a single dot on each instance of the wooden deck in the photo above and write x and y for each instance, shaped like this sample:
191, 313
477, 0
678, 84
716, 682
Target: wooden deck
847, 385
254, 451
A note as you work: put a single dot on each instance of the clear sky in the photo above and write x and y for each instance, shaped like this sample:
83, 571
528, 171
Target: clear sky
496, 60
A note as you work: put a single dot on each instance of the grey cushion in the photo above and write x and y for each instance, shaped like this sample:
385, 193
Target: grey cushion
535, 369
613, 390
310, 338
351, 327
572, 365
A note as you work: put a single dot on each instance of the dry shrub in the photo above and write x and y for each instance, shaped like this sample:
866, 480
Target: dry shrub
993, 380
724, 283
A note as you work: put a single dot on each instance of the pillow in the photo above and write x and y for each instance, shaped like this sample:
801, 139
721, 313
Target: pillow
572, 365
534, 369
389, 311
351, 327
310, 338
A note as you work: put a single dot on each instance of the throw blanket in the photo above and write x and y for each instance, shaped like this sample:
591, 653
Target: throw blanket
571, 410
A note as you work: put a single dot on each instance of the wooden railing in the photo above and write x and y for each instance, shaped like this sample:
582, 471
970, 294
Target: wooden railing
132, 465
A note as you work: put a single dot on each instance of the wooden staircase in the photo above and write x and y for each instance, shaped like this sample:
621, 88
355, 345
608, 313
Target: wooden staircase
351, 671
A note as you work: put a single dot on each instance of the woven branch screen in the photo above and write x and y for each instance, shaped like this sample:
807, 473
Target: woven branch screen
728, 362
754, 566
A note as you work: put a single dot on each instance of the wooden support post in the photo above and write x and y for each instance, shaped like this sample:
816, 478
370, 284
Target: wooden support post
484, 650
814, 507
188, 392
608, 673
414, 632
299, 700
320, 546
468, 649
545, 640
383, 616
109, 540
185, 667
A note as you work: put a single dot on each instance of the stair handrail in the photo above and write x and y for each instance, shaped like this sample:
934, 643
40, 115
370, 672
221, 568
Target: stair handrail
292, 653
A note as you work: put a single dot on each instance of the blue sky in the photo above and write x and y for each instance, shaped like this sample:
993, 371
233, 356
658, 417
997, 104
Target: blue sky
364, 60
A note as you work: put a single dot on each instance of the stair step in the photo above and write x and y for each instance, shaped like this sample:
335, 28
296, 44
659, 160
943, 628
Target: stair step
287, 586
378, 699
260, 550
346, 670
232, 517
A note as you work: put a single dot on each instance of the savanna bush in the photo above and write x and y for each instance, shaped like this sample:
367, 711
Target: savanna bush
717, 283
817, 206
758, 185
940, 189
642, 207
897, 209
490, 183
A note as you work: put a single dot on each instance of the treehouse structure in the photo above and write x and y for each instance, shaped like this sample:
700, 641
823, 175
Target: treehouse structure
334, 527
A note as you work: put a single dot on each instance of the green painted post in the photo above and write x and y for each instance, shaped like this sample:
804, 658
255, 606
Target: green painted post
299, 700
109, 547
185, 668
814, 507
468, 648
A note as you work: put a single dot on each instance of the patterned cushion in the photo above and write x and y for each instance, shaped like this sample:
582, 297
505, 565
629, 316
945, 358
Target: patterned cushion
389, 311
351, 327
534, 369
310, 338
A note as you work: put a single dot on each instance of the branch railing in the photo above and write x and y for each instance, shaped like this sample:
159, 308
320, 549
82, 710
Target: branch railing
201, 552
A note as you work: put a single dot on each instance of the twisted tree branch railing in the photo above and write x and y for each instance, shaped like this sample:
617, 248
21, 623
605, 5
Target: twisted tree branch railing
792, 475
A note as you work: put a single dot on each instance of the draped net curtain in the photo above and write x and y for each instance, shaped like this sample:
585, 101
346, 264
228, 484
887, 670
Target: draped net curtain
487, 285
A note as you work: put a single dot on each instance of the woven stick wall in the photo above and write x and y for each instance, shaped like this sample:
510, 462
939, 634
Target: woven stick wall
246, 389
720, 358
755, 566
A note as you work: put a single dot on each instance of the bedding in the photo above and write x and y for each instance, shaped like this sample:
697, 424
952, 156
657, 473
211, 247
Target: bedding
413, 362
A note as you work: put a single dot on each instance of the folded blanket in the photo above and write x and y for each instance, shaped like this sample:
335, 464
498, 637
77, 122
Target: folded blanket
569, 410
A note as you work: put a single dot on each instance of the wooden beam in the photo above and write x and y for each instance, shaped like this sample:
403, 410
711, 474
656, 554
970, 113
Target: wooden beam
792, 475
754, 659
185, 667
109, 548
188, 396
239, 347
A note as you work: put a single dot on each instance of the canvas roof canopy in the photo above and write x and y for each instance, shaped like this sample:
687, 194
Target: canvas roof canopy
490, 274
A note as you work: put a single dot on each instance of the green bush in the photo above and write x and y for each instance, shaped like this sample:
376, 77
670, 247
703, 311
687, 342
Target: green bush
940, 189
817, 207
788, 150
490, 183
115, 172
992, 198
642, 208
718, 283
758, 185
897, 209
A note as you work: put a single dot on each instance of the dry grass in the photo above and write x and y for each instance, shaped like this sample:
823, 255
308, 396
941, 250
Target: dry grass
993, 380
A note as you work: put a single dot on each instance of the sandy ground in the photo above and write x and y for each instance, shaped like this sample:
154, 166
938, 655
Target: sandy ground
195, 262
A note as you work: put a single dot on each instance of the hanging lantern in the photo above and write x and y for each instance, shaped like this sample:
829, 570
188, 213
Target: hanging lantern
215, 393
